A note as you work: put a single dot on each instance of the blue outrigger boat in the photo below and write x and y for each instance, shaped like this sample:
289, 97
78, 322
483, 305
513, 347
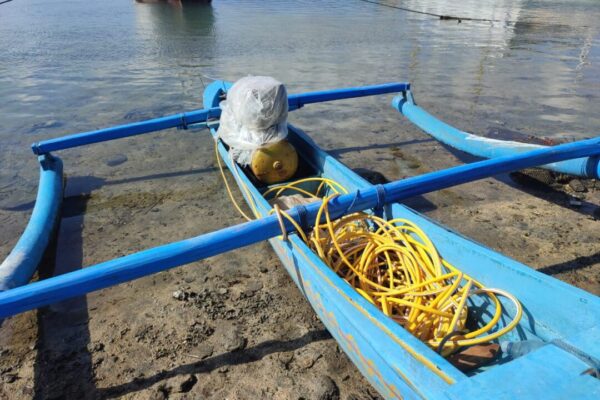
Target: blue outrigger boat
564, 318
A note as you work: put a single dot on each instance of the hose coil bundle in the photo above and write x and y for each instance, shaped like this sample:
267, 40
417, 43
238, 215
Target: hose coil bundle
396, 267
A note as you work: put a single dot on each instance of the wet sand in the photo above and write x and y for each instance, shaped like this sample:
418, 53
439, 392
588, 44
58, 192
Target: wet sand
235, 326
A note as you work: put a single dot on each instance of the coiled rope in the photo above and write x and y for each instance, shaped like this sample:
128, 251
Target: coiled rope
396, 267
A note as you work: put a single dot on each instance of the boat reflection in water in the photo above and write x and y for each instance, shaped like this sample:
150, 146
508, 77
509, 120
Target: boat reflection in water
175, 2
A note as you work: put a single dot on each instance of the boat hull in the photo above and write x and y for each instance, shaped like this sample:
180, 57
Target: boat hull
397, 364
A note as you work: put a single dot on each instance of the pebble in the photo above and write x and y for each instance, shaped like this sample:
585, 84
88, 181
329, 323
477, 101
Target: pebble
307, 359
230, 337
158, 395
285, 358
115, 160
285, 381
254, 286
326, 389
51, 123
229, 271
222, 291
576, 185
10, 378
203, 351
161, 393
160, 353
179, 295
376, 177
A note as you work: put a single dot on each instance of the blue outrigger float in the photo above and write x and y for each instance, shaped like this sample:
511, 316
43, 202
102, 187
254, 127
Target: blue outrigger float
479, 146
566, 319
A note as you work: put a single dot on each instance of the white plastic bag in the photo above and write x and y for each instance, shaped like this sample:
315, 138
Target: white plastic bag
254, 115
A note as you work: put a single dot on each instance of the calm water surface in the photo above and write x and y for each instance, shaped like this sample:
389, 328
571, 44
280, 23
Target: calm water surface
68, 66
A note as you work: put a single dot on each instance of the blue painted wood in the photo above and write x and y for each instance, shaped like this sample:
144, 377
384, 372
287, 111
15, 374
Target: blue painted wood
547, 373
212, 93
298, 101
199, 116
22, 262
164, 257
123, 131
479, 146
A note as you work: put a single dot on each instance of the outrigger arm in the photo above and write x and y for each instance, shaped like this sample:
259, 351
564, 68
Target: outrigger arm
22, 262
171, 255
183, 120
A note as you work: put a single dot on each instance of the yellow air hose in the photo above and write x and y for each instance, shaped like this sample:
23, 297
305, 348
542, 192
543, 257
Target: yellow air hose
248, 194
396, 267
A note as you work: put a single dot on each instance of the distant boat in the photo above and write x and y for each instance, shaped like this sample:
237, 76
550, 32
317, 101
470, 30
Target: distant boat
174, 1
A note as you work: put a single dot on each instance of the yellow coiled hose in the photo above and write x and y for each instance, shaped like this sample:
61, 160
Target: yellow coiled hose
395, 266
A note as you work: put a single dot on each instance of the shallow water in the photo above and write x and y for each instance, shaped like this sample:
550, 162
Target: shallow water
68, 66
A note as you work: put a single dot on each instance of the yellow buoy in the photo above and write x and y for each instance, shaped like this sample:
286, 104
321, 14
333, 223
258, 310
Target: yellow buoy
274, 163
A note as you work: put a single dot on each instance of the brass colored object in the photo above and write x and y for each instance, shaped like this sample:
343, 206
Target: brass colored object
275, 163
